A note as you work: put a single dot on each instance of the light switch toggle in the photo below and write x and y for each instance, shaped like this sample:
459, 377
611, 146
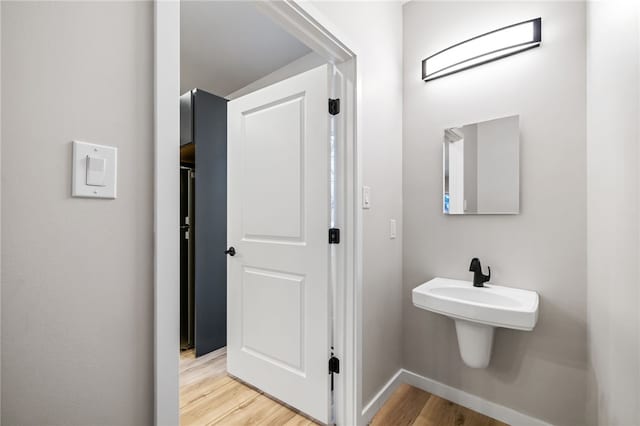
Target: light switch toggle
96, 171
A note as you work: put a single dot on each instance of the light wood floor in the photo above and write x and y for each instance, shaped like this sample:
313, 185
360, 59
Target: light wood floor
208, 396
412, 406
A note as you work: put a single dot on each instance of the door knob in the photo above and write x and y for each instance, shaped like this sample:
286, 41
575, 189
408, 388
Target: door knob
231, 251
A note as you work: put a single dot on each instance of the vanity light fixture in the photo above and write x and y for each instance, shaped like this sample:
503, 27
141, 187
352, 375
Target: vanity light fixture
484, 48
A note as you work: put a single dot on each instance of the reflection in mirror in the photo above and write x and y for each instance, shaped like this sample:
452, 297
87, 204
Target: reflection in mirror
481, 168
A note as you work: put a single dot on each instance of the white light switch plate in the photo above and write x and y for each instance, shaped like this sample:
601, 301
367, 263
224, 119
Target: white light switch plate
366, 197
393, 229
84, 184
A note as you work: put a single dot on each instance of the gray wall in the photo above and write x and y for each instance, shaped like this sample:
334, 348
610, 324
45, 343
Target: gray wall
375, 29
542, 373
77, 289
613, 93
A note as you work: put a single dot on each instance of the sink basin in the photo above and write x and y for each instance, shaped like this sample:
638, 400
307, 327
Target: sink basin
494, 305
477, 311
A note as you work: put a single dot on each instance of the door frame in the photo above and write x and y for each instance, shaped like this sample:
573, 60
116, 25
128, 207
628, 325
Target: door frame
306, 23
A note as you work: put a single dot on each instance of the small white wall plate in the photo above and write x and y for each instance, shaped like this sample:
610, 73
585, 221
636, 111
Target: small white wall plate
79, 186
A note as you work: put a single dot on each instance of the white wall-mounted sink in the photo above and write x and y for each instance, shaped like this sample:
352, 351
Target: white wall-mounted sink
477, 311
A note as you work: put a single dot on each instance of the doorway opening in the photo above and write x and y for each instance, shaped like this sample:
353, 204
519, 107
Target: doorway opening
297, 92
264, 175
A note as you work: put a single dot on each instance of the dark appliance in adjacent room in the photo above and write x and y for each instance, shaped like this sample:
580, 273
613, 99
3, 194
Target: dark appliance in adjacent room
203, 270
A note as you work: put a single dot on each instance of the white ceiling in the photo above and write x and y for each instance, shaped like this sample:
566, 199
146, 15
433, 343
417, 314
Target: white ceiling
225, 45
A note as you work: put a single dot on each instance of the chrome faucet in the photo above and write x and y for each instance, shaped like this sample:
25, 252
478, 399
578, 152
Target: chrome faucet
478, 277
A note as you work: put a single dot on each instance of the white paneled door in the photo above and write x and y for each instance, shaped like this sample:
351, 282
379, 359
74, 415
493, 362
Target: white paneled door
278, 221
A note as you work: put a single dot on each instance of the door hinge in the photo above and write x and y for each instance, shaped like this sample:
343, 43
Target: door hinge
334, 365
334, 236
334, 106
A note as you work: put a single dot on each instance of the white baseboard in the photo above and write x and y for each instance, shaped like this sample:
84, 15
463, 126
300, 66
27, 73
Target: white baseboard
473, 402
381, 397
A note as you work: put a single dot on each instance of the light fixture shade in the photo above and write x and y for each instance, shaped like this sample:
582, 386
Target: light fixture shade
484, 48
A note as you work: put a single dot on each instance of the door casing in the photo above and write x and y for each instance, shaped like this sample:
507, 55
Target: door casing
304, 22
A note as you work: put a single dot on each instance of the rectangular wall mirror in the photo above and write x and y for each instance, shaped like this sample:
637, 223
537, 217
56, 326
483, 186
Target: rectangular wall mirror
481, 168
